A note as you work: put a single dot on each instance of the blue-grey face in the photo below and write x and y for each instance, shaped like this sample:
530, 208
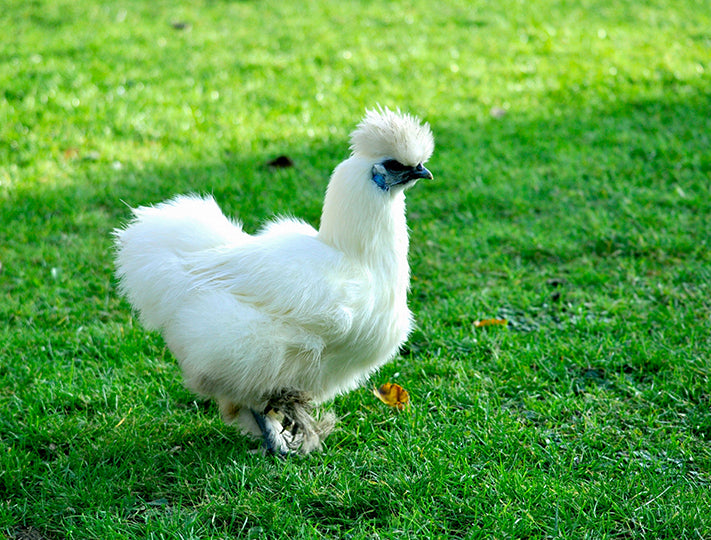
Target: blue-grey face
391, 173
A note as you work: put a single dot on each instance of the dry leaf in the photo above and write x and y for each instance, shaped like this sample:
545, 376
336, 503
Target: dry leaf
392, 394
490, 322
71, 153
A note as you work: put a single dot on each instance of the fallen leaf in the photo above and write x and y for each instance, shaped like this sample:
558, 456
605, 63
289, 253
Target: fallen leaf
392, 394
490, 322
71, 153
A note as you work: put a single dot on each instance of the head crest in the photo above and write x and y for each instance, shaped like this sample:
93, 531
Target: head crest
391, 134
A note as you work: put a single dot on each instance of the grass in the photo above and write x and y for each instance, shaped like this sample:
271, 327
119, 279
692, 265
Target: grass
571, 196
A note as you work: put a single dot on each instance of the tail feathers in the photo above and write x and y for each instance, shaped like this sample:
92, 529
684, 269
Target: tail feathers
151, 250
183, 224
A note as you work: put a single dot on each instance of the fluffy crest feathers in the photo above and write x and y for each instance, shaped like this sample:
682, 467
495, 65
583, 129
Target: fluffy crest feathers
393, 135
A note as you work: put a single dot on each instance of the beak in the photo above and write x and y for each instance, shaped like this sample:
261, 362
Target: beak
420, 172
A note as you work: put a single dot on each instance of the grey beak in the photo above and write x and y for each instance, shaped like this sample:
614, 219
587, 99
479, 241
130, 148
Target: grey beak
420, 172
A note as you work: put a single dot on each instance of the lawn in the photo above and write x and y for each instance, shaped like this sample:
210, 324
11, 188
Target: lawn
572, 197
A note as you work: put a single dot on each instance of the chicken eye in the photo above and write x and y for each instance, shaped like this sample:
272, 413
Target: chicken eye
395, 166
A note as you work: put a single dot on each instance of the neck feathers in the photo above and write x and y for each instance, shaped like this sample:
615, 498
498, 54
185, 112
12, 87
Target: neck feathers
361, 220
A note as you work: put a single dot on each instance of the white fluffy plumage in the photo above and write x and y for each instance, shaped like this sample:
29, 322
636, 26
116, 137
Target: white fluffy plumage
273, 323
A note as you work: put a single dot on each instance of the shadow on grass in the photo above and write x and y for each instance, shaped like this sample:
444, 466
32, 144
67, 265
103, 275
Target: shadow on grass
599, 183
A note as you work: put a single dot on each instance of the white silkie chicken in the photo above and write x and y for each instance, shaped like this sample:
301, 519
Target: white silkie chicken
272, 324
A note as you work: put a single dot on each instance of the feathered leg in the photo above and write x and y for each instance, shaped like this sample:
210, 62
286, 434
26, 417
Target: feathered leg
286, 424
270, 435
300, 430
253, 422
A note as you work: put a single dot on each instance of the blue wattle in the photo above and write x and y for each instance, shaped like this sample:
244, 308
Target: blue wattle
379, 180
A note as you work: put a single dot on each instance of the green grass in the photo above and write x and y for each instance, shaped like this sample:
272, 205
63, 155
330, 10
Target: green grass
580, 210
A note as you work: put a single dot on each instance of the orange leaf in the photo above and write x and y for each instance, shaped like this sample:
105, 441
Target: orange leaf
490, 322
392, 394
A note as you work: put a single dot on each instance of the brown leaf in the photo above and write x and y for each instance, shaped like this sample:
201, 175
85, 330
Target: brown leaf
71, 153
490, 322
392, 394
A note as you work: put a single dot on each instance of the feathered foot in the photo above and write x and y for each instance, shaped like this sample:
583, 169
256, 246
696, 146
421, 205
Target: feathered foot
300, 430
286, 424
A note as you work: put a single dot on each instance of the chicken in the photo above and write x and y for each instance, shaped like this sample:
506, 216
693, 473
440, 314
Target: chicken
272, 324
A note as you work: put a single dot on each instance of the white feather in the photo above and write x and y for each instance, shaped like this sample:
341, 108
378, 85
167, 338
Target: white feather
248, 316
